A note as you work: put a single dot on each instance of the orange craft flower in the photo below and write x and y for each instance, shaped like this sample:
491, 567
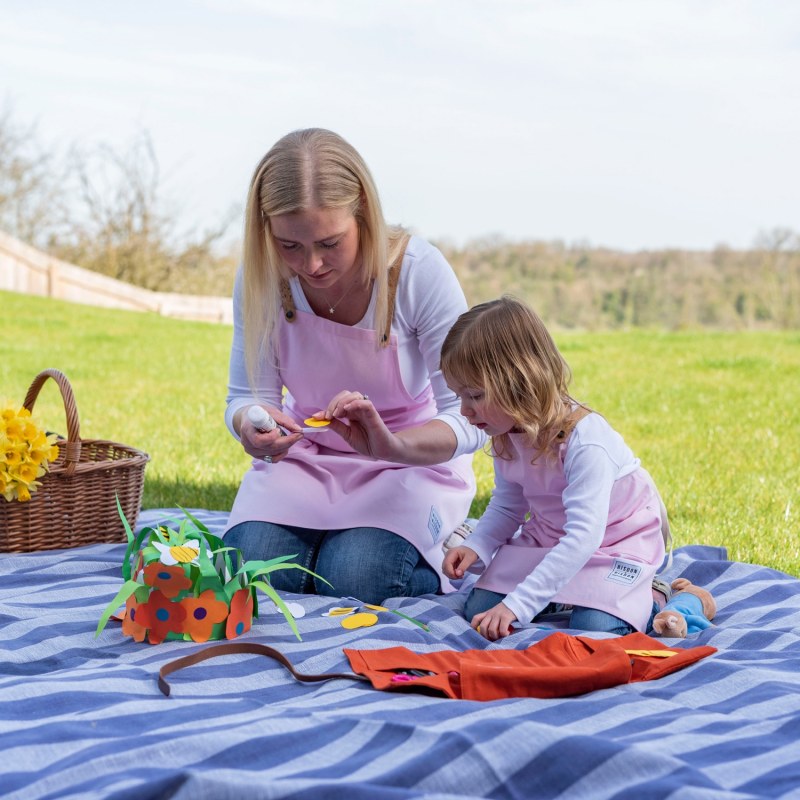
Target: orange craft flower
241, 616
170, 580
202, 613
164, 616
134, 623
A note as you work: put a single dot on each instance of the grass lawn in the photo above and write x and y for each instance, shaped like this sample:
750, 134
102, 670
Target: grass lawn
715, 417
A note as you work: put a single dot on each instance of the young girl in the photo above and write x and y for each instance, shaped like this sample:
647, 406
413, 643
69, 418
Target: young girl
573, 518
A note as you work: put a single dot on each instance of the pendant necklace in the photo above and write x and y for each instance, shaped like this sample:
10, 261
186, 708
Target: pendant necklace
332, 306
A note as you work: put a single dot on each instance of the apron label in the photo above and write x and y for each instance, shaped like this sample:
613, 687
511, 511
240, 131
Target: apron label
434, 524
624, 572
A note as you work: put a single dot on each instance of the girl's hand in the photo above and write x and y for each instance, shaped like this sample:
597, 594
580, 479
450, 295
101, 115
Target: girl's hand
358, 422
272, 444
495, 623
458, 560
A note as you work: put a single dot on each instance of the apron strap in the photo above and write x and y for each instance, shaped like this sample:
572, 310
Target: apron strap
572, 420
287, 301
394, 279
251, 648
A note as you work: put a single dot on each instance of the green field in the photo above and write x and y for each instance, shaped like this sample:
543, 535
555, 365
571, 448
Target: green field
715, 417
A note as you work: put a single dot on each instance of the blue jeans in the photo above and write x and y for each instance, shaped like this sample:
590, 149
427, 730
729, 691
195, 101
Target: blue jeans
581, 618
370, 564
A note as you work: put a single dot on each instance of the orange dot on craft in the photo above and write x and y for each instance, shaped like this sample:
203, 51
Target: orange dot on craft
312, 422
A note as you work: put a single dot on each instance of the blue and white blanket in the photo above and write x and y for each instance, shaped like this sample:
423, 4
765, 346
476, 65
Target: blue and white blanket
83, 717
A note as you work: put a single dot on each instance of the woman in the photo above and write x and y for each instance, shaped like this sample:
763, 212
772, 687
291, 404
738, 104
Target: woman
344, 313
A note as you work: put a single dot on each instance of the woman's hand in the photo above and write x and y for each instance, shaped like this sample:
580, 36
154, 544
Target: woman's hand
458, 560
353, 416
495, 623
268, 445
358, 422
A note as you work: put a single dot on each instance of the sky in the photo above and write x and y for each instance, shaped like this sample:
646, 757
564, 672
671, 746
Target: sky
631, 124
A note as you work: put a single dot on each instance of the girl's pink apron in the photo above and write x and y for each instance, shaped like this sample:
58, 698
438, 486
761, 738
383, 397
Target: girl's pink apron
322, 483
618, 577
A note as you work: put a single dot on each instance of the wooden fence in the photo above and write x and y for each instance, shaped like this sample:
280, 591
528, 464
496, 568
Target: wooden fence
25, 269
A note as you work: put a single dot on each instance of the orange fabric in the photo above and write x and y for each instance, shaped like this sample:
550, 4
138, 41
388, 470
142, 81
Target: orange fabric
558, 666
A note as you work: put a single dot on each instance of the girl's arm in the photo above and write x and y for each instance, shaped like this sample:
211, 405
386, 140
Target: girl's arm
590, 473
502, 518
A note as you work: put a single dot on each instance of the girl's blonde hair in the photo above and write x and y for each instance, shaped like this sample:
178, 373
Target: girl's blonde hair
308, 169
504, 349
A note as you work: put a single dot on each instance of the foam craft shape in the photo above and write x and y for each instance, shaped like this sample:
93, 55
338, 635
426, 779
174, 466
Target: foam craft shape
339, 611
362, 620
181, 583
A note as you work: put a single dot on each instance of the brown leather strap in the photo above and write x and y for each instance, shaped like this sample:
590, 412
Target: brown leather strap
233, 648
287, 301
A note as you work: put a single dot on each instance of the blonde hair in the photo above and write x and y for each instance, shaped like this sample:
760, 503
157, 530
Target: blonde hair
308, 169
503, 348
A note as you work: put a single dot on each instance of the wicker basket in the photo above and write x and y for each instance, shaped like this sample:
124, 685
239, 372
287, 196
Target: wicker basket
77, 501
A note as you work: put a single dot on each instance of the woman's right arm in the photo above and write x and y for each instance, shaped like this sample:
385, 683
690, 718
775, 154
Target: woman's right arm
240, 395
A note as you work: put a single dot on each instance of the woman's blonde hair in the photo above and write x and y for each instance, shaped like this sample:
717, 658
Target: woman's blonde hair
504, 349
308, 169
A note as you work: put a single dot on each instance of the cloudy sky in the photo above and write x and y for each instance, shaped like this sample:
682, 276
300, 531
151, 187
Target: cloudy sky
625, 123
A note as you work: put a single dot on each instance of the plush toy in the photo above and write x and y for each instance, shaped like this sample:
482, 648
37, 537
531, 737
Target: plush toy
690, 610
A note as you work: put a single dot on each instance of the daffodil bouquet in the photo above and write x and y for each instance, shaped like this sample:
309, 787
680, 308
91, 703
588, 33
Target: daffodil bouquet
25, 453
183, 583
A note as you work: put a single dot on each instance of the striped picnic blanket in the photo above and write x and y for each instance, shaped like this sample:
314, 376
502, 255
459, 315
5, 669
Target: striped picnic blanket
83, 717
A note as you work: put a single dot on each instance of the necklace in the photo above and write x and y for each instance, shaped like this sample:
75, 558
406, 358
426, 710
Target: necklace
332, 306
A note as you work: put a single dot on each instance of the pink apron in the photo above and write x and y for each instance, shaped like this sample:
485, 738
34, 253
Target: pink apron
322, 483
618, 577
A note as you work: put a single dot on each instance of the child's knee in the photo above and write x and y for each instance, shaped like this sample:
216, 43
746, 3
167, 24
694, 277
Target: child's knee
480, 600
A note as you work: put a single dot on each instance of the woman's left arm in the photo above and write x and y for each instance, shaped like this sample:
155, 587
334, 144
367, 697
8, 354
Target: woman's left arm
429, 300
365, 431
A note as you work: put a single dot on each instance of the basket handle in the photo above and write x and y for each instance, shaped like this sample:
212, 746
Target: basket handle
72, 448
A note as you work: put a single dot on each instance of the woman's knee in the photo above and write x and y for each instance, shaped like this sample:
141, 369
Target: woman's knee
251, 538
262, 541
372, 564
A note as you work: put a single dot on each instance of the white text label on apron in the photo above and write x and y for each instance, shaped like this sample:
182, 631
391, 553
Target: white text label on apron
624, 572
434, 524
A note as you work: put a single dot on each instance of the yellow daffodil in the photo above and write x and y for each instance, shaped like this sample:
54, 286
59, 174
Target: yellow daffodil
25, 453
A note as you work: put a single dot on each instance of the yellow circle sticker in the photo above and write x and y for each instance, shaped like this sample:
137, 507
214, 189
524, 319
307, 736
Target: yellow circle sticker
312, 422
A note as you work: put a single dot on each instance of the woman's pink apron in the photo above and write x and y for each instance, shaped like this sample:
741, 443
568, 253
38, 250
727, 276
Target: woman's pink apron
618, 577
322, 483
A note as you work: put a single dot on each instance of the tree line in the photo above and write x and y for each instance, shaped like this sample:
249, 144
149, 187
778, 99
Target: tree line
597, 288
107, 211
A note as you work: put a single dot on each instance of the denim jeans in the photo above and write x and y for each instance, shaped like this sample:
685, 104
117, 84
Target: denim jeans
581, 618
370, 564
